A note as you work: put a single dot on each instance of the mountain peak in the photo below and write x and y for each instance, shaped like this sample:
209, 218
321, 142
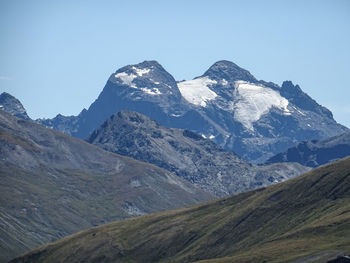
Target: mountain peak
13, 106
148, 76
224, 64
295, 95
142, 68
149, 63
228, 70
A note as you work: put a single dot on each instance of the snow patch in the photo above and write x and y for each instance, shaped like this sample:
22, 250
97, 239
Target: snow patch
197, 91
254, 100
224, 82
141, 71
127, 79
155, 82
302, 113
153, 91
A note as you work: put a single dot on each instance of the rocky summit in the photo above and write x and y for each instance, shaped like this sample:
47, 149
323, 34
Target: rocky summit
253, 118
187, 154
13, 106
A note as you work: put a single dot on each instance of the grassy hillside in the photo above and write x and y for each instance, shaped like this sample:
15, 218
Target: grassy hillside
53, 185
306, 218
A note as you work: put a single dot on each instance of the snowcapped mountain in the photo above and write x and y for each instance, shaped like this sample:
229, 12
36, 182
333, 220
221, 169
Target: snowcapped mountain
145, 88
255, 119
13, 106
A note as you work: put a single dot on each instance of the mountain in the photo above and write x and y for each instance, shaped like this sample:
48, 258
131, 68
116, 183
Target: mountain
316, 152
255, 119
13, 106
53, 185
306, 219
65, 124
186, 154
145, 87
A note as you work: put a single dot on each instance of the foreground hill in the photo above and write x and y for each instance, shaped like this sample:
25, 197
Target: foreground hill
187, 154
53, 185
306, 218
316, 152
255, 119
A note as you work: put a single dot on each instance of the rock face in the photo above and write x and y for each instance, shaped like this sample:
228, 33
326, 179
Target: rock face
272, 224
186, 154
316, 152
65, 124
145, 88
13, 106
53, 185
255, 119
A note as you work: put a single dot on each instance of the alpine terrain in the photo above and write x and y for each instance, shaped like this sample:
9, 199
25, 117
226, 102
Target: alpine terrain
187, 154
13, 106
305, 219
253, 118
53, 185
316, 152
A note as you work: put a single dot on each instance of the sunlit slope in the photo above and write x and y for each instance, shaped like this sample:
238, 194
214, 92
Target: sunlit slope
306, 217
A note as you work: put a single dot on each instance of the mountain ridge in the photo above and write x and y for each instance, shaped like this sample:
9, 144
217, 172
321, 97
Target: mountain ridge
187, 154
255, 119
316, 152
230, 71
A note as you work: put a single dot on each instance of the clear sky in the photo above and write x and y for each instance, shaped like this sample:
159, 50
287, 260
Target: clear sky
56, 56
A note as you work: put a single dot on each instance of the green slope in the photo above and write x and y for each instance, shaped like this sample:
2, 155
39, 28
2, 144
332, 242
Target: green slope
304, 218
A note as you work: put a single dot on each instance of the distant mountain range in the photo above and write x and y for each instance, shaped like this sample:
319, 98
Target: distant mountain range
306, 219
316, 152
186, 154
53, 185
255, 119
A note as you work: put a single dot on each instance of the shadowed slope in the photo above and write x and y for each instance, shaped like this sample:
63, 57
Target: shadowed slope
53, 185
316, 152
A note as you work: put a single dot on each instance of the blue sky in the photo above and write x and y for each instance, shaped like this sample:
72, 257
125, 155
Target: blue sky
56, 56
